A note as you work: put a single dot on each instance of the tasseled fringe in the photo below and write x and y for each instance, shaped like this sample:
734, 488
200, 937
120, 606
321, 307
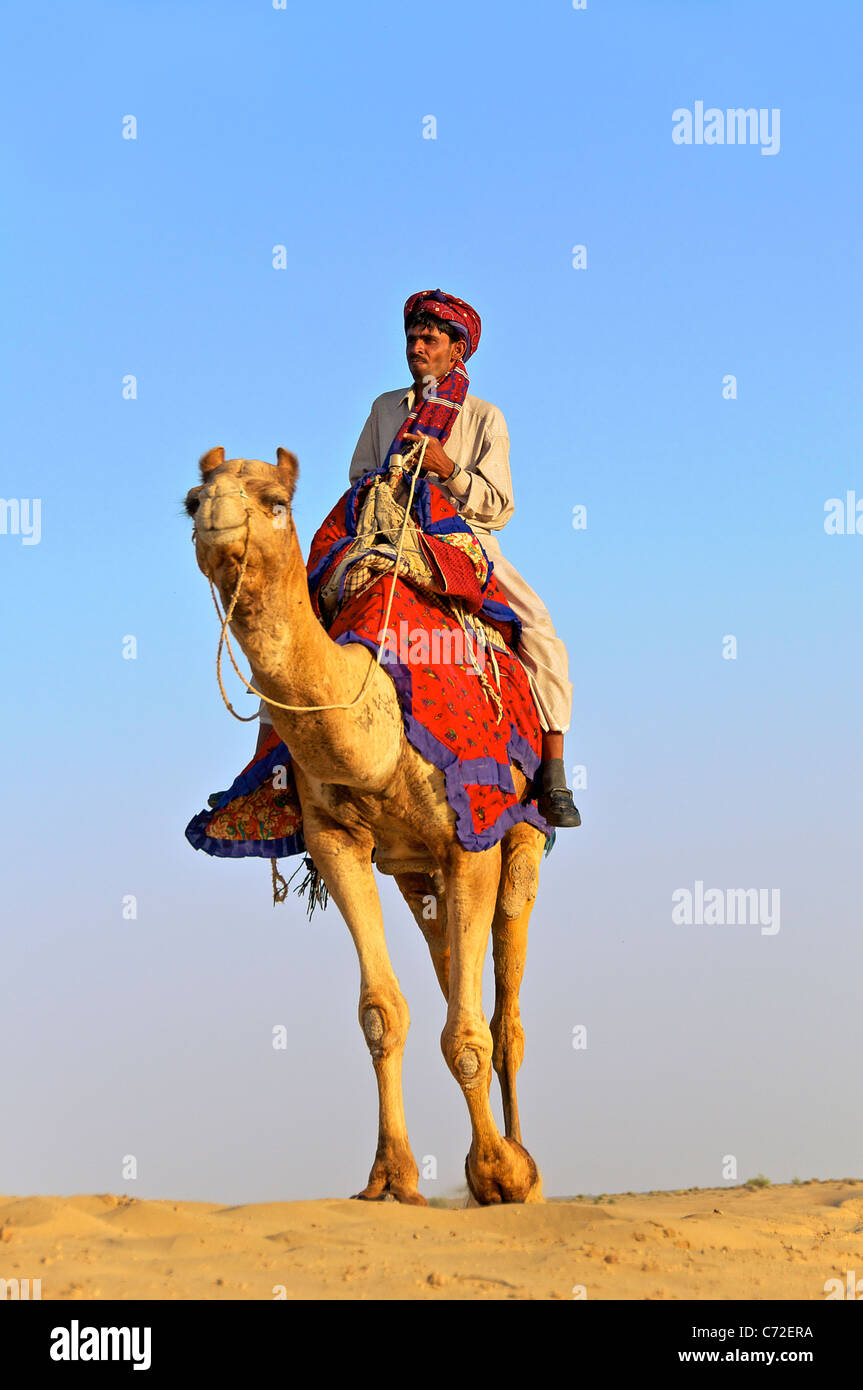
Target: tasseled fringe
318, 895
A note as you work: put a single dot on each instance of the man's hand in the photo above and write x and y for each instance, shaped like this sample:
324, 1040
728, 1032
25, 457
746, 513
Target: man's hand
435, 460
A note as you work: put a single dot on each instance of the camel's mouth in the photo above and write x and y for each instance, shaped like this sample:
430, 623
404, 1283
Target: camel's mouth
220, 535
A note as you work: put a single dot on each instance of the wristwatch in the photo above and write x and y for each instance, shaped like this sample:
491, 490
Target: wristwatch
455, 471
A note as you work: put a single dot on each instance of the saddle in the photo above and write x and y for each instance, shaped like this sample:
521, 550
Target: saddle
453, 567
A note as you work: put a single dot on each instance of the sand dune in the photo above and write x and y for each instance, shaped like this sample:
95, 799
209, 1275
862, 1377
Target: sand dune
734, 1243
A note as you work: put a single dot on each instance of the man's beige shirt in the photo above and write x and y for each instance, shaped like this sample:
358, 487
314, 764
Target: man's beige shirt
478, 443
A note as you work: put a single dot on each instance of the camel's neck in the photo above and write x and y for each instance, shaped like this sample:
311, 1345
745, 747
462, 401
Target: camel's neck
294, 662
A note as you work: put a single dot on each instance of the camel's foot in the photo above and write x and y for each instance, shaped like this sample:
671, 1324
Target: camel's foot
507, 1174
392, 1176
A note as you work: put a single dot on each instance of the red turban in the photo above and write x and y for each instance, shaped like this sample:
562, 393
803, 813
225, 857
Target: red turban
456, 312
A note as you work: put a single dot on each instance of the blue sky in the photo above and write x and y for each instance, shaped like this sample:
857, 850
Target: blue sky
153, 257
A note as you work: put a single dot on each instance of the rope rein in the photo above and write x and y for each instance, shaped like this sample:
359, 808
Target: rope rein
225, 641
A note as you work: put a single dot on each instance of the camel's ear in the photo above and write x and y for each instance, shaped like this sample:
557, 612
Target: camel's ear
289, 470
214, 459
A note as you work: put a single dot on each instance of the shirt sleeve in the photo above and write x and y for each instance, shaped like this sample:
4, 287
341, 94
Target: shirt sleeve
365, 457
484, 493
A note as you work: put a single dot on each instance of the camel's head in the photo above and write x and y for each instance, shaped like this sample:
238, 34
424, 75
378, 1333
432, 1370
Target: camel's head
243, 506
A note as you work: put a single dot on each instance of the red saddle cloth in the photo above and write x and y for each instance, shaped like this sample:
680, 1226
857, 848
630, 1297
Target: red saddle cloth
455, 574
448, 714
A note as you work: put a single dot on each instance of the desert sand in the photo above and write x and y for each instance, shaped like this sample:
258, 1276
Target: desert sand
731, 1243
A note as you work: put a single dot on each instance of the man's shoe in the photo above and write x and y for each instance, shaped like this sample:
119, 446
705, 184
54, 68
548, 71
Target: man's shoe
558, 808
554, 799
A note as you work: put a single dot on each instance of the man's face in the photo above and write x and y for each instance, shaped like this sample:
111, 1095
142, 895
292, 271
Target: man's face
431, 353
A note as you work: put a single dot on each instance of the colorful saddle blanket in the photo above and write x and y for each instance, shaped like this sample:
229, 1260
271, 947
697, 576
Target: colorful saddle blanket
449, 647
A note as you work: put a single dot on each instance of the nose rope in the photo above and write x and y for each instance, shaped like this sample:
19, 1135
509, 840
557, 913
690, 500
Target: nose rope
225, 641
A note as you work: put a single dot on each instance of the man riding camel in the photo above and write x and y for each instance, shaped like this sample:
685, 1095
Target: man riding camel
473, 470
468, 457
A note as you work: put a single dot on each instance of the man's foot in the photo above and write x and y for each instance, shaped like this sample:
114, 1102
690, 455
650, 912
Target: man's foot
554, 799
558, 808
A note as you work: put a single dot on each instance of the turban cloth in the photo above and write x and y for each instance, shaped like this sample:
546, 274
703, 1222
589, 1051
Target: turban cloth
456, 312
442, 401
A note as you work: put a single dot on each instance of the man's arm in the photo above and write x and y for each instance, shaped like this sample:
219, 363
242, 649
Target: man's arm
484, 494
365, 457
482, 488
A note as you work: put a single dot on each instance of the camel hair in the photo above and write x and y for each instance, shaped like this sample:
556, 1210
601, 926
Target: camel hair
364, 789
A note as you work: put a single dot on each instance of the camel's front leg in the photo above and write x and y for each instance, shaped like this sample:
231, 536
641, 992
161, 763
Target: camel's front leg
343, 858
498, 1169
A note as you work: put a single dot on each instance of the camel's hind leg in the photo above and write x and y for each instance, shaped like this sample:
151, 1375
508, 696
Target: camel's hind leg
343, 858
497, 1168
521, 853
425, 895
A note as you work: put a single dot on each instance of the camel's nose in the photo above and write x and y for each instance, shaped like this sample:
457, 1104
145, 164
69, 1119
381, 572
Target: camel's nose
221, 510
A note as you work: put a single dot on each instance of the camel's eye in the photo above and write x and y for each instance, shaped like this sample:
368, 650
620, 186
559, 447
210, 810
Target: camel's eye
192, 504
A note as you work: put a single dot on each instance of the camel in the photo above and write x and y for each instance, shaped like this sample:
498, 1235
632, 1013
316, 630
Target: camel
363, 788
